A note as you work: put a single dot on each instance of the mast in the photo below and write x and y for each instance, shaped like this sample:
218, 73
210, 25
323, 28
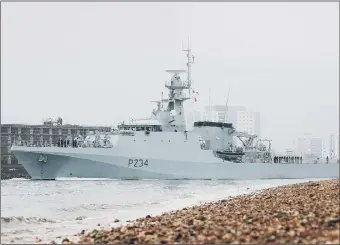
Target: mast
190, 60
209, 111
226, 107
175, 118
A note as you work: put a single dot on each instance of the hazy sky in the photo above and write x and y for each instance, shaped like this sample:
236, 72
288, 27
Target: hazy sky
96, 63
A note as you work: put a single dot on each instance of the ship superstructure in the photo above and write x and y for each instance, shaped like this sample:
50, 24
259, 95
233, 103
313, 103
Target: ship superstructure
160, 147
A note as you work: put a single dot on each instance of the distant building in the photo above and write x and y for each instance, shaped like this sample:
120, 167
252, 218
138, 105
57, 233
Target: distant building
316, 147
248, 121
243, 119
290, 152
309, 146
334, 146
49, 133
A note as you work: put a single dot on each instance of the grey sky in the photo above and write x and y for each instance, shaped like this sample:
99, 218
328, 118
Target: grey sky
96, 63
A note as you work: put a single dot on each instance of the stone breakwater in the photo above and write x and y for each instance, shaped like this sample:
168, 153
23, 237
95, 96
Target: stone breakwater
9, 171
299, 213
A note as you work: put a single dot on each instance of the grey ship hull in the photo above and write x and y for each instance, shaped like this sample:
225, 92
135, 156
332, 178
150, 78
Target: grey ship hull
58, 166
54, 162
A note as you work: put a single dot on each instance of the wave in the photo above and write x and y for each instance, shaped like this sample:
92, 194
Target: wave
25, 220
83, 179
101, 179
97, 207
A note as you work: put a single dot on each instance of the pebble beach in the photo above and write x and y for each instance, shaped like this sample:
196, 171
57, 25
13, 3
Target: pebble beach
299, 213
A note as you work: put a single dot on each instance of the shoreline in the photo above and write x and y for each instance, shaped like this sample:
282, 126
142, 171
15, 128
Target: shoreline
181, 194
306, 212
14, 171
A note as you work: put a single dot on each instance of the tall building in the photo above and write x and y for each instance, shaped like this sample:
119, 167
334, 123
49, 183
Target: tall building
248, 121
316, 147
303, 146
310, 146
290, 152
49, 133
334, 146
243, 119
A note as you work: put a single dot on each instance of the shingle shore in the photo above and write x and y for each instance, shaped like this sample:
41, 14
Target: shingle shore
299, 213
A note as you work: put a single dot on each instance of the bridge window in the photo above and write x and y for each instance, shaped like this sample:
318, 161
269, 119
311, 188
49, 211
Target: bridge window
171, 106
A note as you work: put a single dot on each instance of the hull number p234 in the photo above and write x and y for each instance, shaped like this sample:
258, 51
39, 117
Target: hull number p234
138, 163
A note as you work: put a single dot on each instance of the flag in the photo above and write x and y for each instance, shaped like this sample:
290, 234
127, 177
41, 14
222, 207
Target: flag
195, 94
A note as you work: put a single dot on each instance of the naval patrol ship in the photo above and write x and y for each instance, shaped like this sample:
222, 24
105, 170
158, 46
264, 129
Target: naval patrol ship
161, 147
